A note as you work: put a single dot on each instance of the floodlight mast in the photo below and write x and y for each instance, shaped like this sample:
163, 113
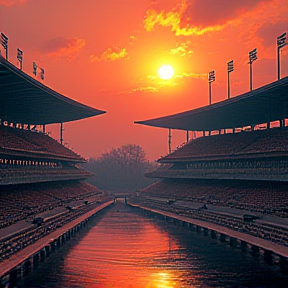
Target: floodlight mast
281, 42
4, 43
20, 58
230, 68
252, 58
211, 79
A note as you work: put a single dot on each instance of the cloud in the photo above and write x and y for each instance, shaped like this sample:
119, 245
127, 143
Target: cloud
111, 54
60, 47
202, 76
12, 2
154, 84
182, 49
147, 89
199, 17
172, 20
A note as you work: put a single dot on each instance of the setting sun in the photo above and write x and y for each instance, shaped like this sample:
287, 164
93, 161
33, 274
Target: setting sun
166, 72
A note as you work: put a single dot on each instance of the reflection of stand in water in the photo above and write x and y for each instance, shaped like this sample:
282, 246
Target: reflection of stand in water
125, 200
170, 247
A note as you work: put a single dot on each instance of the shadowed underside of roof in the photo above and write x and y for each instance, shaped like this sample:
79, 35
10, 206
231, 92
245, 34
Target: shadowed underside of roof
265, 104
25, 100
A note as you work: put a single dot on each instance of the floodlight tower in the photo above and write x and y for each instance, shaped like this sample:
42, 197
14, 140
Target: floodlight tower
211, 79
230, 68
281, 42
4, 43
252, 58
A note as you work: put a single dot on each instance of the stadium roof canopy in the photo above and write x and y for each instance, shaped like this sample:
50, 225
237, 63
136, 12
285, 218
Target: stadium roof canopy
23, 99
265, 104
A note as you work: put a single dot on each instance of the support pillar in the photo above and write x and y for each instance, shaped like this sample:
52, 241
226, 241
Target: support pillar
47, 251
61, 133
58, 242
255, 250
191, 227
42, 255
169, 140
27, 268
213, 234
284, 264
13, 277
36, 261
222, 237
233, 242
52, 245
243, 245
268, 256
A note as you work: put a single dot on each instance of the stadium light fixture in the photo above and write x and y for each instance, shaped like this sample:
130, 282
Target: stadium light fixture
211, 79
4, 43
35, 68
252, 58
281, 42
42, 74
230, 68
20, 57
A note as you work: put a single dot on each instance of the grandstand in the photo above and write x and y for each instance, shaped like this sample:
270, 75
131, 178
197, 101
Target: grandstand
238, 167
39, 177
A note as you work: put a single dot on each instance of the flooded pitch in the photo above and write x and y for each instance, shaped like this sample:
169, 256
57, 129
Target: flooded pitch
122, 248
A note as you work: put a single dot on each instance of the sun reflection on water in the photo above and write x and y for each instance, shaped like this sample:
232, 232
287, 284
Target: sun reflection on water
162, 280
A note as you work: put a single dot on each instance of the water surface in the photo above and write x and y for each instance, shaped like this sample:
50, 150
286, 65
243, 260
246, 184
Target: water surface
122, 248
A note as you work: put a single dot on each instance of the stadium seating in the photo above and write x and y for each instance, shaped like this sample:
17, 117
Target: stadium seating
242, 143
256, 196
187, 198
18, 241
21, 201
20, 140
15, 174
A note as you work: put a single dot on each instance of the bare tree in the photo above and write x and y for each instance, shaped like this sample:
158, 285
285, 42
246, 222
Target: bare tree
121, 168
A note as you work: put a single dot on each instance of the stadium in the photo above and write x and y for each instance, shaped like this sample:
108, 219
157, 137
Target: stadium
42, 185
232, 182
229, 183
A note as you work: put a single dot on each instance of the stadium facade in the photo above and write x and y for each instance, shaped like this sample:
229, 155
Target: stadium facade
42, 185
232, 181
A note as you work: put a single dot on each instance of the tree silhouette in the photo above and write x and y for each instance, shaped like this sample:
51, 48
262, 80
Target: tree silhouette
121, 169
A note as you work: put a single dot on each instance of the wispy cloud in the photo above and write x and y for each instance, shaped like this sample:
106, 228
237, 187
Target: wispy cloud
143, 89
154, 84
261, 32
111, 54
12, 2
63, 47
202, 76
199, 17
172, 19
182, 49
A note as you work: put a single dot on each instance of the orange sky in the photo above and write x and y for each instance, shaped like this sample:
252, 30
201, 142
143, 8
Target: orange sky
106, 54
